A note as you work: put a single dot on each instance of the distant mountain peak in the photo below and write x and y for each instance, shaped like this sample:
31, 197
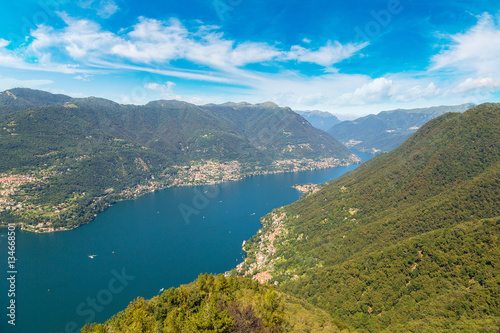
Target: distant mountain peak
319, 113
388, 129
167, 103
269, 104
320, 119
22, 98
235, 104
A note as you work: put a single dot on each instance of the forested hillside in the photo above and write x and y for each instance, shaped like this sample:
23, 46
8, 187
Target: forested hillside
20, 98
406, 242
65, 159
219, 304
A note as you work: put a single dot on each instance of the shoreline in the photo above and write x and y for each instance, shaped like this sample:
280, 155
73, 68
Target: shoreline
140, 190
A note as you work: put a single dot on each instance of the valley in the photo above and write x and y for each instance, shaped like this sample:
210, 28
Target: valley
407, 241
83, 155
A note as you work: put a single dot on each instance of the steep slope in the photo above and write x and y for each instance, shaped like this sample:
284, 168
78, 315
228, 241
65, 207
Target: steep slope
278, 131
218, 304
407, 240
388, 129
64, 160
320, 119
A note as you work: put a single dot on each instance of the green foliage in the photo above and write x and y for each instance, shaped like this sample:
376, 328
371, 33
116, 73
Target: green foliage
20, 98
92, 152
217, 304
278, 131
407, 240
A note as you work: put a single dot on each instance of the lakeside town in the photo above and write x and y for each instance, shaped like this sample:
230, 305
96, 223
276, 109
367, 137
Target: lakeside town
14, 199
259, 263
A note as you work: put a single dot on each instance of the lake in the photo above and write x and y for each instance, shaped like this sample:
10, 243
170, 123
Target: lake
137, 247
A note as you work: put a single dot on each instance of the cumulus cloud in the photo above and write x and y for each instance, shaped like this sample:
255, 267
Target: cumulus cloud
166, 89
416, 92
38, 61
474, 51
473, 84
202, 52
84, 47
3, 42
81, 38
158, 43
387, 90
372, 92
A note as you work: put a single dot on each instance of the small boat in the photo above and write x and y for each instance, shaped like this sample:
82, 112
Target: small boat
161, 290
92, 256
252, 214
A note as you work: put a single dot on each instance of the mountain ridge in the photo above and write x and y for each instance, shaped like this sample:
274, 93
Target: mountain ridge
407, 242
386, 130
320, 119
67, 159
338, 245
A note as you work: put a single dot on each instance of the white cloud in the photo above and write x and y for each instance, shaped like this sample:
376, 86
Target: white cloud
9, 83
103, 8
474, 51
416, 92
3, 42
372, 92
166, 89
384, 90
326, 56
80, 38
85, 48
157, 43
303, 92
42, 61
472, 84
83, 77
107, 8
152, 41
9, 59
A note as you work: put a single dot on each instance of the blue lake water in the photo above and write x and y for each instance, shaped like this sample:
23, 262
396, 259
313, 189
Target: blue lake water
138, 247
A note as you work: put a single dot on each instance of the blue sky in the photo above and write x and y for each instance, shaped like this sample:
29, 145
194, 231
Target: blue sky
355, 57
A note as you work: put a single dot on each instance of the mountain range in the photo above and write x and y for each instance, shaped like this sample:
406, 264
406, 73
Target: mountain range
66, 159
407, 242
386, 130
320, 119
